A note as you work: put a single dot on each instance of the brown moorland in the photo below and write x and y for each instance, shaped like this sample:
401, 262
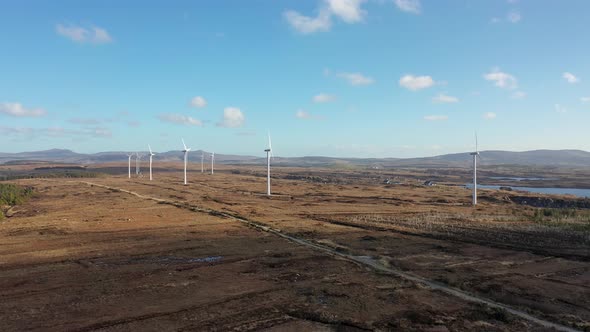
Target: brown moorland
111, 253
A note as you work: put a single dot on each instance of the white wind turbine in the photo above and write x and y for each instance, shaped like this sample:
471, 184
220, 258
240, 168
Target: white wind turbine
130, 155
185, 151
475, 156
212, 161
151, 156
268, 156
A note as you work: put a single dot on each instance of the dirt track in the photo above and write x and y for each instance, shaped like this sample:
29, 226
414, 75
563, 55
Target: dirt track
121, 262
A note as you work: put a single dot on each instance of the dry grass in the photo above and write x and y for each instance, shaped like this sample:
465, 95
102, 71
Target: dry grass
501, 229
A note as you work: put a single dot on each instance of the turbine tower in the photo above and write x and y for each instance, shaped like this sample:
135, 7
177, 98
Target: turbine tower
185, 151
151, 156
212, 162
130, 155
202, 161
475, 156
268, 156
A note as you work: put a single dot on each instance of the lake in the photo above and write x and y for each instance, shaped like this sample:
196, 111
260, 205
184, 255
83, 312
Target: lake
507, 178
553, 191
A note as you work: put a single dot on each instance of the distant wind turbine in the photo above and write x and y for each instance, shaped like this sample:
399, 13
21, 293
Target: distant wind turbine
151, 156
130, 155
185, 151
475, 156
212, 162
268, 156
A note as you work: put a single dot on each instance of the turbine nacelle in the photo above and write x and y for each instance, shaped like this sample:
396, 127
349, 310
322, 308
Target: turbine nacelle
185, 148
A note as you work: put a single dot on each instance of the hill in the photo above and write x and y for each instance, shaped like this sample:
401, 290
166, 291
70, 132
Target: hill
552, 158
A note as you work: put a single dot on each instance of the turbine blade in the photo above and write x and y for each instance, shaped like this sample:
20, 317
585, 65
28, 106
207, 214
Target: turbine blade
183, 143
149, 147
476, 147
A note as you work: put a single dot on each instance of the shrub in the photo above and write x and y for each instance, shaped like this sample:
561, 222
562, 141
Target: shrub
12, 194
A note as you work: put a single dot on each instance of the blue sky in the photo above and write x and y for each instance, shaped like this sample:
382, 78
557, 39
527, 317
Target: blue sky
372, 78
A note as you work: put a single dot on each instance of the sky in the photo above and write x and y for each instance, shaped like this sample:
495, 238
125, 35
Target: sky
343, 78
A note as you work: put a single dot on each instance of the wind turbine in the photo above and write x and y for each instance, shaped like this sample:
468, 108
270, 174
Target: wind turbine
475, 156
202, 161
212, 161
130, 155
151, 156
268, 156
185, 151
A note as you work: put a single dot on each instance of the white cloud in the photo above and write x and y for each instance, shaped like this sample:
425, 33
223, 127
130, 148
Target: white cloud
323, 98
436, 118
307, 25
444, 99
301, 114
348, 10
198, 102
17, 109
570, 78
585, 99
489, 116
232, 118
180, 119
560, 109
101, 36
81, 34
98, 132
410, 6
304, 115
495, 20
415, 83
501, 79
514, 17
356, 78
518, 95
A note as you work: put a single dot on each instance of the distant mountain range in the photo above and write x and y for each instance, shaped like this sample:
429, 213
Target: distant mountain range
68, 156
555, 158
